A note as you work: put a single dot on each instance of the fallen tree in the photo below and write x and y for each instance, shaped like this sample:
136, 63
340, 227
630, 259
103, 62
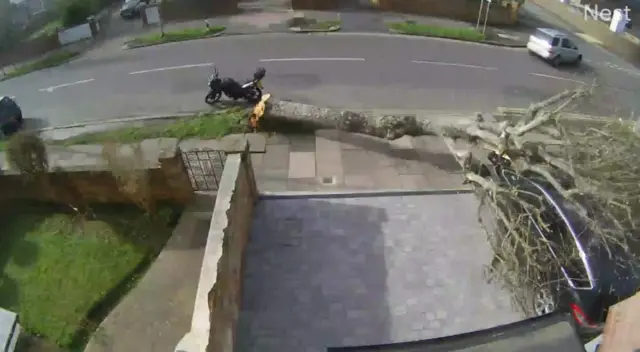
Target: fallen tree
592, 169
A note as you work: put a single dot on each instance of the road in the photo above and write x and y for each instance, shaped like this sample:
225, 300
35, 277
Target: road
341, 70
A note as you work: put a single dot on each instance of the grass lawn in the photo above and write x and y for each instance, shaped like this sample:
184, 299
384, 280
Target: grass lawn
206, 126
62, 274
47, 62
47, 29
411, 28
176, 36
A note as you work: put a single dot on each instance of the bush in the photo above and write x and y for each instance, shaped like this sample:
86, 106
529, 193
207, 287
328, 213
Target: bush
27, 153
75, 12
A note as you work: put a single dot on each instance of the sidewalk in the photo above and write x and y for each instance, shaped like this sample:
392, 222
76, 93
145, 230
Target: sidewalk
333, 160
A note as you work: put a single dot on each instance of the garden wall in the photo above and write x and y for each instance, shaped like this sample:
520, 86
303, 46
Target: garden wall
217, 305
185, 10
84, 174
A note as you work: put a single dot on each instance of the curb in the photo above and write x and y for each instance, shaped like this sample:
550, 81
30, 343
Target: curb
129, 45
265, 195
485, 42
122, 120
304, 30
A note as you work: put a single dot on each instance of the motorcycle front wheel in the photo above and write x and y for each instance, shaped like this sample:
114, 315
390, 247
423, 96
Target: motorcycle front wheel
254, 95
212, 97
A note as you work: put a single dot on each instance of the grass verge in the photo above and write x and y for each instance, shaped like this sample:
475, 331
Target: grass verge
412, 28
205, 126
52, 60
62, 274
176, 36
48, 29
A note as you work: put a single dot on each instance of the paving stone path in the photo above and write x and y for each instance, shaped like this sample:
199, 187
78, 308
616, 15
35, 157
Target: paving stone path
333, 160
331, 272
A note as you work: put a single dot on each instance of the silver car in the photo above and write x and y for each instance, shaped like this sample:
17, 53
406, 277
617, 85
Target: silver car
554, 46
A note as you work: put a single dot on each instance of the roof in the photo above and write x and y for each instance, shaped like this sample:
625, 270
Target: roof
552, 32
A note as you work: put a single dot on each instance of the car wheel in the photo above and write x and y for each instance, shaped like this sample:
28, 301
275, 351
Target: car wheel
544, 301
578, 60
556, 61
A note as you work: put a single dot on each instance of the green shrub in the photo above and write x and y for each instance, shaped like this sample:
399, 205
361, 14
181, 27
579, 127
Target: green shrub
27, 153
75, 12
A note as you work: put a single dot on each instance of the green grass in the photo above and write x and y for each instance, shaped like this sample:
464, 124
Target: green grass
176, 36
62, 275
206, 126
48, 29
411, 28
52, 60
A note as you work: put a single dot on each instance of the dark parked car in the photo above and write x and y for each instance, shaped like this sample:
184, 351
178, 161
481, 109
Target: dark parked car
587, 282
132, 8
10, 115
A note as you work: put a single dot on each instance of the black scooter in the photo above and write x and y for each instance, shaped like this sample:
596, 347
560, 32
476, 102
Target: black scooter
250, 91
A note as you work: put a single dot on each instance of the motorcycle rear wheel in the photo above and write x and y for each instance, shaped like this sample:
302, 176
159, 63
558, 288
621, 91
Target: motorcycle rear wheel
212, 97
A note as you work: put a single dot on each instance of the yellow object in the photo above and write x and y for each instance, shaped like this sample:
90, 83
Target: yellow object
258, 111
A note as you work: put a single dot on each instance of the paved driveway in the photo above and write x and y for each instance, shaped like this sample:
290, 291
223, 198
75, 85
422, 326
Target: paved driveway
358, 271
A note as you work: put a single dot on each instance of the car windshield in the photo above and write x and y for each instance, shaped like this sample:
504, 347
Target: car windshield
544, 36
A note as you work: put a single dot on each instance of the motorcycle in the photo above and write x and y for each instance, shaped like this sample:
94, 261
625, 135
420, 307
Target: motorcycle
251, 91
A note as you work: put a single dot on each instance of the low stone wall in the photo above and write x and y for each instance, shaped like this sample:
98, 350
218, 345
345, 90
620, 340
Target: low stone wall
185, 10
81, 172
217, 305
621, 328
499, 14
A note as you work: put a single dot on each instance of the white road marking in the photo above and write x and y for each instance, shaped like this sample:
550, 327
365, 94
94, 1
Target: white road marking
556, 77
454, 64
170, 68
313, 59
51, 89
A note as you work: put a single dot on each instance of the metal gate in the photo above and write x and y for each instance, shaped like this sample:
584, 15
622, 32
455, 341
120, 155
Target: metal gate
204, 168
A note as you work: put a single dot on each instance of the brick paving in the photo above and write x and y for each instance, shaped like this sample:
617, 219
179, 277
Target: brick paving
329, 272
333, 160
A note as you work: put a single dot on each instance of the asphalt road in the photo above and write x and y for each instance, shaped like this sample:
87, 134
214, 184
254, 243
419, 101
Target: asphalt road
342, 70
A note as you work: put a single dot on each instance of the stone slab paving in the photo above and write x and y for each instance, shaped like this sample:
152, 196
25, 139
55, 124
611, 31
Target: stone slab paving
334, 160
323, 272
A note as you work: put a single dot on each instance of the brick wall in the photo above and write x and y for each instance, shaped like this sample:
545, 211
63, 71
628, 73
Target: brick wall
226, 294
92, 181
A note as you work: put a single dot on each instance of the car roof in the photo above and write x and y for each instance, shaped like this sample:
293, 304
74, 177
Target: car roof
552, 32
